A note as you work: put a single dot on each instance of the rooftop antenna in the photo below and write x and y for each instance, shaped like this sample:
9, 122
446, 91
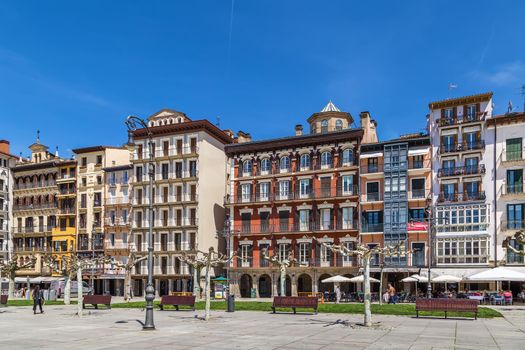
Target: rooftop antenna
38, 136
218, 123
523, 95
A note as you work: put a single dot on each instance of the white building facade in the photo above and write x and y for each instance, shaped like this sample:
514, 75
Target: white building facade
462, 184
7, 162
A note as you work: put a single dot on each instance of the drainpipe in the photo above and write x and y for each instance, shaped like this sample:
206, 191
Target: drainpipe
495, 196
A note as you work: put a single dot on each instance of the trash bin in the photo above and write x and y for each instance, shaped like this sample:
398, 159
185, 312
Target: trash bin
231, 303
253, 293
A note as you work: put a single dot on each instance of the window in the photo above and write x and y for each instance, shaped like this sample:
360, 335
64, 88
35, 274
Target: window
515, 181
449, 113
265, 166
348, 260
83, 200
348, 182
285, 164
373, 166
264, 191
449, 192
418, 254
513, 258
305, 161
372, 221
338, 125
84, 161
304, 220
125, 177
324, 126
283, 252
246, 255
97, 201
326, 160
304, 188
417, 215
470, 140
372, 191
304, 253
348, 157
99, 180
348, 216
247, 168
514, 149
284, 189
325, 256
418, 188
471, 165
464, 250
246, 190
193, 168
471, 113
326, 219
448, 143
165, 171
112, 217
417, 162
124, 216
515, 216
138, 173
99, 160
464, 218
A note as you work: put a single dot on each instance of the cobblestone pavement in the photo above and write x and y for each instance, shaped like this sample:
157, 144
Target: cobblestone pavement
60, 328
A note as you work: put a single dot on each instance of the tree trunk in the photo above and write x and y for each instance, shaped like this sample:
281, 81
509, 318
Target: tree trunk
207, 287
127, 285
196, 287
11, 288
283, 281
67, 289
80, 297
381, 286
367, 296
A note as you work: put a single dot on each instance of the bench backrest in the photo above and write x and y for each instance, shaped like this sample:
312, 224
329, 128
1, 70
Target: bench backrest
295, 302
97, 299
423, 304
177, 299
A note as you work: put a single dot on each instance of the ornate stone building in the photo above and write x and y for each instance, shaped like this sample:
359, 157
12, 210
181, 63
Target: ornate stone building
283, 192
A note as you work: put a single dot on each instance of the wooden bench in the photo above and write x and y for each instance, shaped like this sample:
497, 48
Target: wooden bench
96, 300
177, 300
295, 302
447, 305
3, 299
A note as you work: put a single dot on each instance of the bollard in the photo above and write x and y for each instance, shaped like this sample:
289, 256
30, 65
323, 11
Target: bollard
231, 303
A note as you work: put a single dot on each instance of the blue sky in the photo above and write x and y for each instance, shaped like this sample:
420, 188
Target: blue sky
76, 69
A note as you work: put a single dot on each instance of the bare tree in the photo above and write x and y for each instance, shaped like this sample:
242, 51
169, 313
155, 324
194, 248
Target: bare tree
197, 264
10, 267
283, 265
133, 260
366, 253
67, 271
519, 237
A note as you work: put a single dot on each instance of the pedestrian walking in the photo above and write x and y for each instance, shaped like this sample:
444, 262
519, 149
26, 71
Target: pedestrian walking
392, 294
38, 299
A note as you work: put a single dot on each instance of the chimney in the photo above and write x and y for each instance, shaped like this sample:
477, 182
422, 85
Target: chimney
298, 130
243, 137
229, 132
4, 146
369, 127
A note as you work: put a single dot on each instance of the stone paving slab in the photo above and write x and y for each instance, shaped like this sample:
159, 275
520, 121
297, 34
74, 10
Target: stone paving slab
60, 328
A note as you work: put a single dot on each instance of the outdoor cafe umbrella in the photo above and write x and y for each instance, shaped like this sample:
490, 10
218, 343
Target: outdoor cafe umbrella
446, 279
498, 274
336, 279
413, 278
361, 279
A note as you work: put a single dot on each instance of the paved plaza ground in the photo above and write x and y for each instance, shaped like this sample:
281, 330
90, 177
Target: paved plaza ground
59, 328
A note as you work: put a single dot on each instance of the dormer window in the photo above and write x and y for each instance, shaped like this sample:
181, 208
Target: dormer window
324, 126
338, 125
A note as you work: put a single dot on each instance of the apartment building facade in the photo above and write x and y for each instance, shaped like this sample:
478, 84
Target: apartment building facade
117, 225
462, 183
91, 196
395, 180
283, 192
7, 162
35, 207
64, 233
188, 191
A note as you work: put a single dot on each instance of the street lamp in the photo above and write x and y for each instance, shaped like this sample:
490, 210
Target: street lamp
133, 123
227, 233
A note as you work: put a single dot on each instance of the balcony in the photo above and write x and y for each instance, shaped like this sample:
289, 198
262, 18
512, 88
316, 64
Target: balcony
371, 197
512, 225
322, 193
35, 206
29, 186
418, 194
371, 227
462, 171
372, 169
67, 210
466, 119
512, 156
512, 190
413, 165
462, 147
265, 228
461, 197
117, 200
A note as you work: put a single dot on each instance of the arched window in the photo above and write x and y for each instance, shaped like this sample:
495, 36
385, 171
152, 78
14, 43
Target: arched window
326, 159
324, 125
348, 157
285, 163
265, 165
338, 124
305, 161
247, 167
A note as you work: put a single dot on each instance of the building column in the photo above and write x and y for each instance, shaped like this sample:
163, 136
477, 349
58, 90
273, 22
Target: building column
170, 285
314, 283
156, 283
254, 285
294, 285
184, 285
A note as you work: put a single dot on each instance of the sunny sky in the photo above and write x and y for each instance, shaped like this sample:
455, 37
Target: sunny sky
76, 69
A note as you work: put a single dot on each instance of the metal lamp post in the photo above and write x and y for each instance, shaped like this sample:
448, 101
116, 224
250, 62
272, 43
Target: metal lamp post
227, 233
133, 123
